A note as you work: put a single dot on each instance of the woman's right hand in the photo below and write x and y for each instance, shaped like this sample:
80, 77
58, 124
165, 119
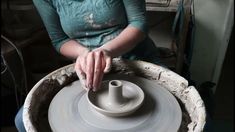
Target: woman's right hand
91, 66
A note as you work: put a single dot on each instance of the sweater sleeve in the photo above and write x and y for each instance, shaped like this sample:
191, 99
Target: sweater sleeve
136, 14
51, 21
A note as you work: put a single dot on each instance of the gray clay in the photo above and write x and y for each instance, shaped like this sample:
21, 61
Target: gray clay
116, 98
70, 111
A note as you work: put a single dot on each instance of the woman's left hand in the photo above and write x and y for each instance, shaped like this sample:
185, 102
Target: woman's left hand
93, 65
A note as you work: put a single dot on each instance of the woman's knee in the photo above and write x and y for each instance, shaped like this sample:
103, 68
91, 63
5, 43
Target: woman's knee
19, 120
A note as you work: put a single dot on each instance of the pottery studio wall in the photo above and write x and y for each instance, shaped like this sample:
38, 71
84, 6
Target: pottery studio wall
214, 21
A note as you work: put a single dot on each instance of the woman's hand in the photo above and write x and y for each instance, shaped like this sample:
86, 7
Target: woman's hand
91, 66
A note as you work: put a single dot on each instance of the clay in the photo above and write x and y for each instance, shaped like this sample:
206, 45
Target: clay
37, 101
70, 110
116, 98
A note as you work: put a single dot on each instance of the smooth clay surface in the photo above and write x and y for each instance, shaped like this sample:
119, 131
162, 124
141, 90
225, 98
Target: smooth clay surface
116, 98
70, 110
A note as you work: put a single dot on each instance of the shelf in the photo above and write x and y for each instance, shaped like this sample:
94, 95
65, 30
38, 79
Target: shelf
161, 34
160, 30
164, 5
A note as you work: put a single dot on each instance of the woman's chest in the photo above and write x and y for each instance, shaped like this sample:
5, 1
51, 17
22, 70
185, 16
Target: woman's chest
90, 14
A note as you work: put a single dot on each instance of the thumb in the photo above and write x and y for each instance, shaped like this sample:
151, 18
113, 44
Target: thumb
108, 61
81, 75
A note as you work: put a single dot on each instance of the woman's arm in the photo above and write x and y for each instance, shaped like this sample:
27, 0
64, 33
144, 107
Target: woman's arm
124, 42
134, 33
99, 60
62, 43
72, 49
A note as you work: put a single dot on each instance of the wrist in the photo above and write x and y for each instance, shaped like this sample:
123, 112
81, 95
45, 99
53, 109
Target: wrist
82, 50
107, 50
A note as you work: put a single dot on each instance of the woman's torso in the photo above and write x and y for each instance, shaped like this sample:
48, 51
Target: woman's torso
91, 22
95, 22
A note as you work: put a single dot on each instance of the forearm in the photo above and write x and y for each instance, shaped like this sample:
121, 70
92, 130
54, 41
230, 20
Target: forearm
124, 42
72, 49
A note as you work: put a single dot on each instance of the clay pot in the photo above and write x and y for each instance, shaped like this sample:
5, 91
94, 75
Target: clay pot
110, 100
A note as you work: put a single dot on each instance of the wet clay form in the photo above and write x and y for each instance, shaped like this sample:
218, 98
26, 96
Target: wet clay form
111, 108
116, 98
58, 103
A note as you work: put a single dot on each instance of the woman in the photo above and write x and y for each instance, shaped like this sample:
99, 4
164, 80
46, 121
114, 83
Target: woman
92, 32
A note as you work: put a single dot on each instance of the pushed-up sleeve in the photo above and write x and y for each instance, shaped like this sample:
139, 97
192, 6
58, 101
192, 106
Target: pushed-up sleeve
136, 14
51, 21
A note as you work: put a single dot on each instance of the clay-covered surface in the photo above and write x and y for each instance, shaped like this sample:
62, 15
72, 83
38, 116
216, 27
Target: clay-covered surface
70, 111
38, 100
116, 97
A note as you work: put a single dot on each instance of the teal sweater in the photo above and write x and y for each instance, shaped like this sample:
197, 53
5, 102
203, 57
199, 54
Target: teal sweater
94, 22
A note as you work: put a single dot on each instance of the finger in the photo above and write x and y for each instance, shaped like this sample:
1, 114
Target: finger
79, 70
80, 74
97, 70
82, 62
100, 81
103, 61
102, 74
82, 67
102, 69
90, 69
108, 63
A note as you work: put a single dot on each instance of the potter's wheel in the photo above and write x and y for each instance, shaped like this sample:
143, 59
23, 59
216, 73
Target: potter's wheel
71, 111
